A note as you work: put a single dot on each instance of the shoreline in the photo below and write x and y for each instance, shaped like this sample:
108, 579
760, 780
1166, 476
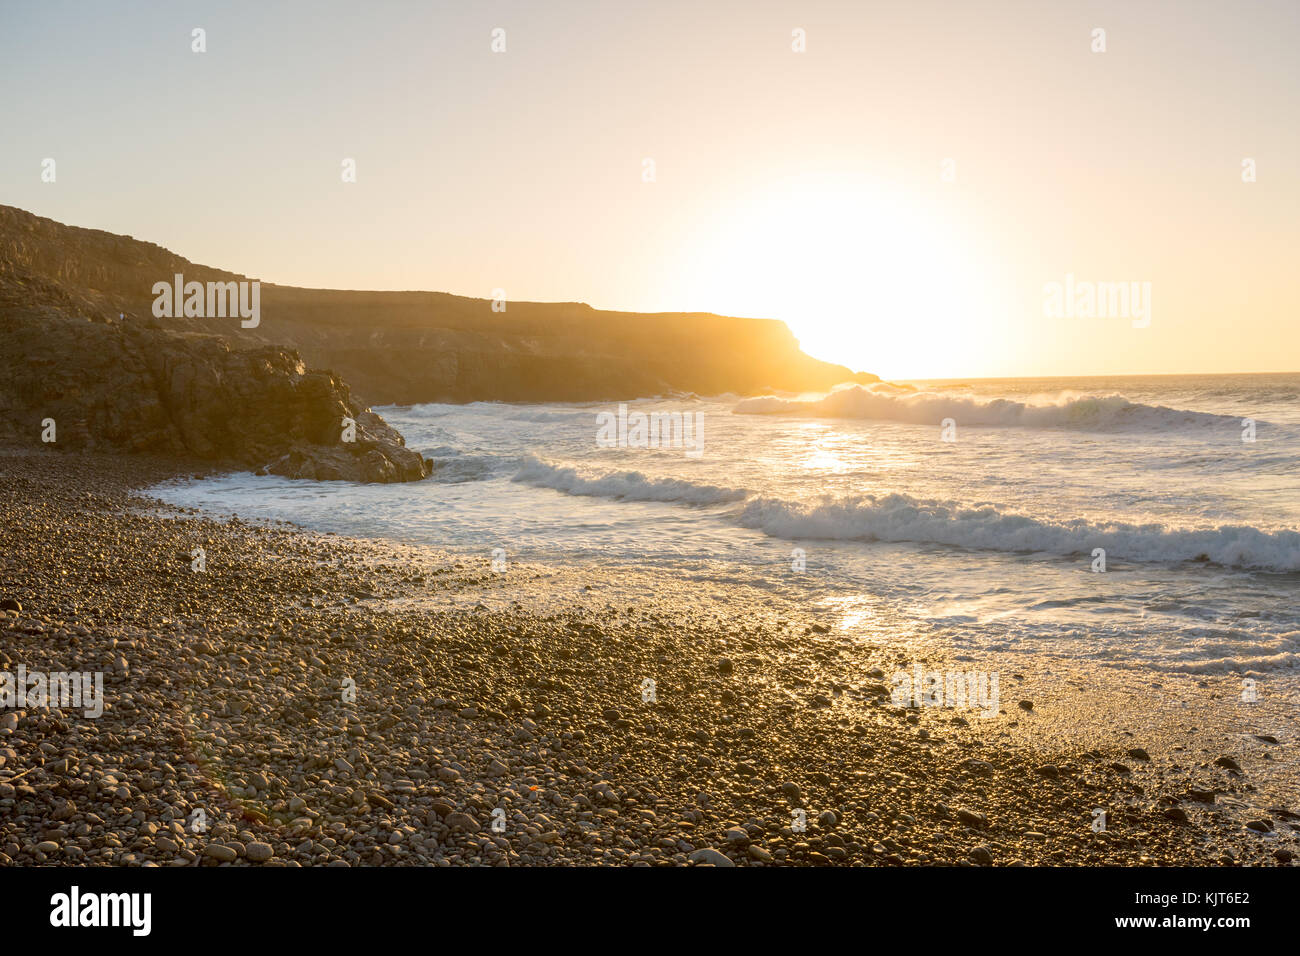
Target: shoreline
225, 692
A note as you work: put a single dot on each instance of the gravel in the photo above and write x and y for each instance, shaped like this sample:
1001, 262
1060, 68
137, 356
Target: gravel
479, 736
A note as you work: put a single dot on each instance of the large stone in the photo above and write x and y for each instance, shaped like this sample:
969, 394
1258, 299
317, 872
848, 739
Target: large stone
707, 855
220, 852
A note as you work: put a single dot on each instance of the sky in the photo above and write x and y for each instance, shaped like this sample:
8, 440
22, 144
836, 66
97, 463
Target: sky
903, 192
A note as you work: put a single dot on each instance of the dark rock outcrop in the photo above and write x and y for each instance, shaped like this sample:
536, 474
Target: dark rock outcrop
378, 454
110, 384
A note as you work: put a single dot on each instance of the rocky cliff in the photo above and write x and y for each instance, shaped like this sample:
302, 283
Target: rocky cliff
408, 347
81, 343
109, 384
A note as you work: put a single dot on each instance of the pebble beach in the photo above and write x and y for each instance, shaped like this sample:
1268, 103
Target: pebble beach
311, 699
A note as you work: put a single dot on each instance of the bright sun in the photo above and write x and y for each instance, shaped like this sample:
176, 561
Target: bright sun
861, 276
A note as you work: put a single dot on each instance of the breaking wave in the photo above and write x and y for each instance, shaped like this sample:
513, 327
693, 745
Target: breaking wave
623, 485
901, 518
886, 402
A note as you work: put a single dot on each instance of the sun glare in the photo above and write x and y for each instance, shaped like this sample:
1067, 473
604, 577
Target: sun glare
863, 276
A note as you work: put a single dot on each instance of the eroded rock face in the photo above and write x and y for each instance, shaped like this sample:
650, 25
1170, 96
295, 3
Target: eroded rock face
411, 347
107, 384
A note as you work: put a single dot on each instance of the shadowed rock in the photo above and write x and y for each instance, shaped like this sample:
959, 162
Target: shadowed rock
111, 385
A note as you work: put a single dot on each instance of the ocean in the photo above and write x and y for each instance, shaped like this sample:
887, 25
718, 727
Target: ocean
1144, 523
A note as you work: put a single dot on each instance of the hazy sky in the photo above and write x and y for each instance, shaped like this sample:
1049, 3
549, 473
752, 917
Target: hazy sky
802, 186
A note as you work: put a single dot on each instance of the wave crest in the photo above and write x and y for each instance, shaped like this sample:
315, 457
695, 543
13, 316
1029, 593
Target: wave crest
901, 518
623, 485
886, 402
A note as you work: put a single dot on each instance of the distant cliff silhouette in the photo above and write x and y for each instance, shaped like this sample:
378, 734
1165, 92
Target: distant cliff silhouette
408, 347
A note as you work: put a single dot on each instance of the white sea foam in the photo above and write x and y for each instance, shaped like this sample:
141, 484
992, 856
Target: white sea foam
902, 518
983, 544
623, 485
886, 402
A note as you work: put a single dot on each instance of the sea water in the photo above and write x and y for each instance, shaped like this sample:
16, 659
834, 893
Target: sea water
1136, 522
